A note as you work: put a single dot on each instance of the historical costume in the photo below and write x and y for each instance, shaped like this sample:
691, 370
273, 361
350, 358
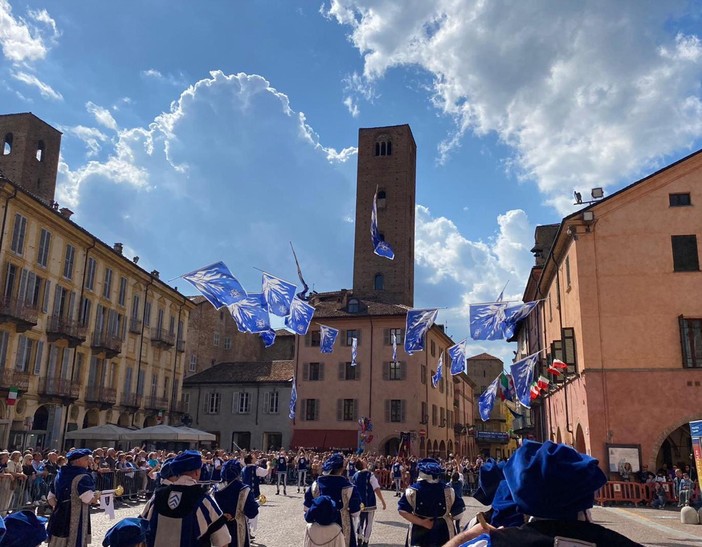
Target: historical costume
237, 502
70, 495
368, 488
181, 514
24, 529
128, 532
281, 464
431, 506
322, 529
339, 489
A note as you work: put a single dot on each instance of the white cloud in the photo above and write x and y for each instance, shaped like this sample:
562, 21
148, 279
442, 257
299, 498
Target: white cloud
45, 89
352, 106
154, 74
91, 136
102, 116
21, 41
585, 94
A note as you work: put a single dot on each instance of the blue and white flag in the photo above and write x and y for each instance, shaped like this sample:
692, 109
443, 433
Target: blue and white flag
278, 294
300, 316
487, 400
487, 321
418, 324
217, 284
523, 376
251, 314
354, 351
268, 337
293, 400
439, 371
514, 314
380, 247
394, 347
457, 353
327, 338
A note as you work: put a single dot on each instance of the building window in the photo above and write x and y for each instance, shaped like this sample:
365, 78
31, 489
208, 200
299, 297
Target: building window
186, 402
24, 353
215, 339
381, 199
7, 145
567, 271
433, 349
424, 418
442, 417
395, 371
434, 413
396, 410
685, 258
270, 403
193, 363
44, 244
679, 200
40, 151
18, 234
68, 262
424, 374
399, 336
314, 338
122, 298
227, 342
346, 410
351, 334
212, 402
314, 372
147, 313
311, 410
353, 305
107, 286
90, 274
383, 146
379, 282
242, 403
691, 339
349, 372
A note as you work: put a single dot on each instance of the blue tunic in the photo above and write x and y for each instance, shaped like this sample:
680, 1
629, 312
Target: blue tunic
334, 486
237, 500
71, 517
302, 464
365, 491
430, 502
251, 479
396, 471
282, 464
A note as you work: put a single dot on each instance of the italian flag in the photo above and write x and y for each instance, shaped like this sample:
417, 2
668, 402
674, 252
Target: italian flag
557, 367
534, 391
543, 383
12, 395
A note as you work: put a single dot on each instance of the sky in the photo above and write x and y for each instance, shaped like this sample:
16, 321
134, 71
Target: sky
220, 130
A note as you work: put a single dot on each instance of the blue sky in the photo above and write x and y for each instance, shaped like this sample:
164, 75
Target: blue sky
219, 130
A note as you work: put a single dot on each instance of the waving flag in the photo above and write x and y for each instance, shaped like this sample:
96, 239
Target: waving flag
457, 353
513, 315
418, 324
557, 367
543, 383
487, 320
439, 371
487, 401
380, 247
278, 294
303, 293
217, 284
251, 314
300, 316
523, 376
506, 387
354, 351
293, 400
394, 347
268, 337
327, 338
534, 391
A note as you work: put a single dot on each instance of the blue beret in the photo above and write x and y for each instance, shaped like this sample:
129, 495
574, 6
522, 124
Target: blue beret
505, 512
24, 529
489, 478
190, 460
322, 511
335, 461
430, 466
166, 471
553, 481
231, 470
77, 453
126, 533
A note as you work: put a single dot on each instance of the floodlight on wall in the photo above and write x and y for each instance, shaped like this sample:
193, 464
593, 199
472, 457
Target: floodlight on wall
597, 193
588, 216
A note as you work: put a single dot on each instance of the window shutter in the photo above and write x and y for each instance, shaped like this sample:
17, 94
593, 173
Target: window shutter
21, 344
47, 296
57, 299
387, 410
266, 402
339, 410
358, 337
342, 335
355, 409
403, 370
357, 372
301, 410
23, 285
386, 370
37, 358
402, 411
71, 304
316, 409
321, 371
306, 371
386, 337
236, 397
205, 400
29, 293
342, 371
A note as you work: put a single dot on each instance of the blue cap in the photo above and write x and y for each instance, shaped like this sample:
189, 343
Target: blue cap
231, 470
190, 460
322, 511
430, 466
166, 471
553, 481
489, 478
126, 533
24, 529
505, 512
77, 453
335, 461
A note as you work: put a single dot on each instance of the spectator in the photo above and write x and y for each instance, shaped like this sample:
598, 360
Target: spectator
660, 498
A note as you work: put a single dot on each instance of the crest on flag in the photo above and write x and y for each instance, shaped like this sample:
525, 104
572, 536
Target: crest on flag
380, 247
300, 316
251, 314
459, 361
418, 324
497, 320
293, 400
278, 294
439, 371
268, 337
217, 284
327, 339
354, 351
523, 376
487, 400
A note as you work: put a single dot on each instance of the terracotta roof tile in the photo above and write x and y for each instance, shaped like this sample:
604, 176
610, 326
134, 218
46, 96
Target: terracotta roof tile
484, 357
239, 373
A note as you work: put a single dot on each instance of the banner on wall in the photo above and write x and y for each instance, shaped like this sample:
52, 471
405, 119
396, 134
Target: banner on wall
696, 434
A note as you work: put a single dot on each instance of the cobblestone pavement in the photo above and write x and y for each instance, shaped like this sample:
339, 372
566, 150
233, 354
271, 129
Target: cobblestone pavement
281, 523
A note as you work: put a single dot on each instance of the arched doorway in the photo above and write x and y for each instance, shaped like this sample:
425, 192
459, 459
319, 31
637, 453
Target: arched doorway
450, 446
436, 449
125, 419
150, 420
442, 449
92, 418
41, 419
392, 446
427, 454
676, 449
580, 440
422, 447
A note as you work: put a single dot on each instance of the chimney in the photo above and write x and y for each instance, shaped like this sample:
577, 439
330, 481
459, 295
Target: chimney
65, 212
135, 260
118, 247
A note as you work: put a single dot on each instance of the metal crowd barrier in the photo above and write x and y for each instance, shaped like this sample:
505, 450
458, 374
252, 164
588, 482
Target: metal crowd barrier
637, 493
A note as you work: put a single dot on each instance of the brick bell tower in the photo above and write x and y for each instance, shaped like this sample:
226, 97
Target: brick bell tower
387, 160
29, 153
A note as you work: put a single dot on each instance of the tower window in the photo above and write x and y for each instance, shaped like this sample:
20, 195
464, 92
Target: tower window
381, 199
40, 151
353, 305
383, 146
7, 145
379, 282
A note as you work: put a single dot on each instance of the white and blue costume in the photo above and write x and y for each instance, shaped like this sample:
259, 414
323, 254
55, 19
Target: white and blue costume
237, 502
281, 464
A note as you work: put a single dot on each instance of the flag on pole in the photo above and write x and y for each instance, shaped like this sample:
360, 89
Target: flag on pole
439, 371
251, 314
354, 351
303, 293
327, 338
300, 316
380, 247
278, 294
293, 400
12, 395
394, 347
268, 337
523, 376
217, 284
486, 320
534, 391
513, 315
506, 387
543, 383
487, 400
557, 367
418, 324
459, 358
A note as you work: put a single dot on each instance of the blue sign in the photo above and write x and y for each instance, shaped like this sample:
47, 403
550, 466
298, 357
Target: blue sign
493, 436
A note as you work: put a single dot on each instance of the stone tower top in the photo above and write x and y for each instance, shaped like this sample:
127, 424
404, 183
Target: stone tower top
29, 153
387, 161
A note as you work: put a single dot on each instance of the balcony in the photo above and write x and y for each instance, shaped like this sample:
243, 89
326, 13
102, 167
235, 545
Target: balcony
105, 343
58, 388
180, 346
104, 396
135, 326
156, 403
12, 378
162, 338
19, 312
60, 328
132, 400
